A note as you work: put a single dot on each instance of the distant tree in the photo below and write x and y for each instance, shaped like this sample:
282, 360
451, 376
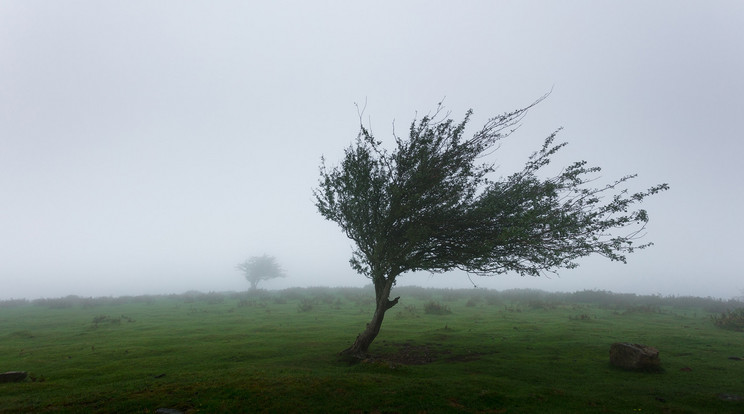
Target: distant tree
259, 268
428, 205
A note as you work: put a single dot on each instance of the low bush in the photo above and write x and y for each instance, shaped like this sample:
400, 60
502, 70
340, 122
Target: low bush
250, 303
512, 308
10, 303
642, 309
732, 320
105, 319
58, 303
436, 308
409, 311
305, 305
541, 304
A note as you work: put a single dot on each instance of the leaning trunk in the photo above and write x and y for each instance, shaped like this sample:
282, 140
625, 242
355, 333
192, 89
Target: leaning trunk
360, 346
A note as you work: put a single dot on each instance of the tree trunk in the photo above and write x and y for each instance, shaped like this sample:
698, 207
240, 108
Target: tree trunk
360, 346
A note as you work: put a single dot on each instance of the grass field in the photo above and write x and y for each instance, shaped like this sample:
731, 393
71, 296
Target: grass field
483, 352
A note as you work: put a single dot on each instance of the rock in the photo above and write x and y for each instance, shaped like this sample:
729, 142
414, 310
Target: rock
168, 411
730, 397
13, 376
634, 357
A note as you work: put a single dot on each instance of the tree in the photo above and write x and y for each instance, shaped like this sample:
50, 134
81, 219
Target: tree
259, 268
429, 204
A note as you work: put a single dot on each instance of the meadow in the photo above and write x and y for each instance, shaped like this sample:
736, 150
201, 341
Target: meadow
459, 351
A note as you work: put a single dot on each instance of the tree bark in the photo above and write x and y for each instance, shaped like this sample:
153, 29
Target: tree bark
361, 345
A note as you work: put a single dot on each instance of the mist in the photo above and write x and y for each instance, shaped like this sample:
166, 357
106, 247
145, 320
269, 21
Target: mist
148, 148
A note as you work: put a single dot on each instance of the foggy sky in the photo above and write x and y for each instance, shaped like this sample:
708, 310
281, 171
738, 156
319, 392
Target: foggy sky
149, 147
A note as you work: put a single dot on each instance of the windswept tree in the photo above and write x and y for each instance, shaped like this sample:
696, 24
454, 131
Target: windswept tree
431, 204
259, 268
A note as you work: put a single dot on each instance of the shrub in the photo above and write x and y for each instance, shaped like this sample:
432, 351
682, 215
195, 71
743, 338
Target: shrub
213, 298
320, 295
58, 303
110, 320
512, 308
10, 303
250, 303
453, 295
731, 319
363, 300
436, 308
306, 305
415, 292
294, 293
642, 309
408, 311
539, 303
105, 319
494, 300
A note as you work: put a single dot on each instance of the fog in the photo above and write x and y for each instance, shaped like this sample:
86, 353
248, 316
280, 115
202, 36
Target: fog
150, 147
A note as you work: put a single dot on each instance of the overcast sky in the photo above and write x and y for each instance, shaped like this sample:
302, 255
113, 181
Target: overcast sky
149, 147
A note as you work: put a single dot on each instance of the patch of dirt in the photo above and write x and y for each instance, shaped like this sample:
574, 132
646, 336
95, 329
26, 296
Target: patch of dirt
407, 353
472, 356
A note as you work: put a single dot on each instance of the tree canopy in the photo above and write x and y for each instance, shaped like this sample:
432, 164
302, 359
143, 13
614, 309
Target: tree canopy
432, 204
259, 268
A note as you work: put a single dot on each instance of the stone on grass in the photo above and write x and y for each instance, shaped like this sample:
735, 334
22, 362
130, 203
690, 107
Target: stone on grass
730, 397
168, 411
635, 357
13, 376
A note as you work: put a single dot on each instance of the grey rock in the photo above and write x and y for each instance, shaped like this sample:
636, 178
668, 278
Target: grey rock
13, 376
730, 397
635, 357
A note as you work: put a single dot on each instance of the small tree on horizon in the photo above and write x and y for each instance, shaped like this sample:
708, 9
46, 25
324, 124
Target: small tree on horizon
428, 205
259, 268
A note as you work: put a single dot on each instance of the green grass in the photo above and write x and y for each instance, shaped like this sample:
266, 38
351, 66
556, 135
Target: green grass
497, 352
